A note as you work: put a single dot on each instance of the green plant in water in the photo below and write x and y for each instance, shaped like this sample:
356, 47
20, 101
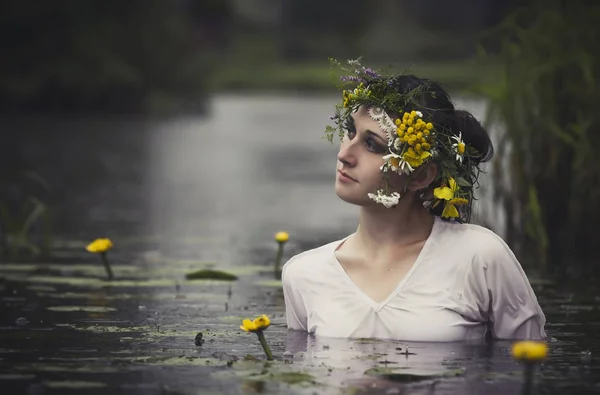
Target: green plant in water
547, 172
207, 274
258, 325
16, 223
281, 238
101, 246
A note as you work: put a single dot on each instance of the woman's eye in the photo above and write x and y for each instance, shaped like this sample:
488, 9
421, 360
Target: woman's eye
373, 146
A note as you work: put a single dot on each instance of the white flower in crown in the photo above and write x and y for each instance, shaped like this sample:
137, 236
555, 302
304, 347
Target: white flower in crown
419, 114
384, 121
397, 164
397, 144
387, 200
459, 147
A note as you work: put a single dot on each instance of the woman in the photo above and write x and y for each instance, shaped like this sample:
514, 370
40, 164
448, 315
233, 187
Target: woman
414, 270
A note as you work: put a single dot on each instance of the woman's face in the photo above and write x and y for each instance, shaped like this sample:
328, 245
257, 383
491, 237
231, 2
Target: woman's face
360, 158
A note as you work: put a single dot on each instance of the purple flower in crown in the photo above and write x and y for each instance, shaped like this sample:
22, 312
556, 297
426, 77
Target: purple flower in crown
370, 72
349, 78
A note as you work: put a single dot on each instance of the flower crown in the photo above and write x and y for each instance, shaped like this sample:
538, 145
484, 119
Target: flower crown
413, 138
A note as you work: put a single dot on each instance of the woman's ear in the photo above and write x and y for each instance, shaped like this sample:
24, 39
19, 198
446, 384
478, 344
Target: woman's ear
423, 177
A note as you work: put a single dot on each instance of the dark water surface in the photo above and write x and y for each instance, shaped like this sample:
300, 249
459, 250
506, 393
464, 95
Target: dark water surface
190, 193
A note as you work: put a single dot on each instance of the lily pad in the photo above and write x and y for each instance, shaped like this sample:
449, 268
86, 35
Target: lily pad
293, 377
405, 375
89, 309
41, 288
371, 357
84, 295
97, 282
16, 376
207, 274
72, 384
254, 369
19, 267
56, 368
178, 361
148, 331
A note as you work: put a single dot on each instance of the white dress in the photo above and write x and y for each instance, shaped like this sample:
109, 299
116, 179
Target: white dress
465, 281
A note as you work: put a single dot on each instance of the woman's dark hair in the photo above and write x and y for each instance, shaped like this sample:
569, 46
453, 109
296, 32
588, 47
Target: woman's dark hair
434, 102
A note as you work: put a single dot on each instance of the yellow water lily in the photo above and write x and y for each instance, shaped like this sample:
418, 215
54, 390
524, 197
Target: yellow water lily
282, 237
99, 246
258, 324
530, 351
448, 193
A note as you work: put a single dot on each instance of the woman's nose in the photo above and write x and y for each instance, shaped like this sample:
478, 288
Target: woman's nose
346, 154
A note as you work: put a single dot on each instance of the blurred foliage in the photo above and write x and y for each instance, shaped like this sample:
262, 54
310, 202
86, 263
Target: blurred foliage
25, 214
332, 31
458, 76
155, 55
383, 30
285, 45
548, 174
98, 55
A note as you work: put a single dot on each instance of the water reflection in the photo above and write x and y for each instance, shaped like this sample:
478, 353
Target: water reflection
463, 366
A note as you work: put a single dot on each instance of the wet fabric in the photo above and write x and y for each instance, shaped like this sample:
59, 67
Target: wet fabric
466, 284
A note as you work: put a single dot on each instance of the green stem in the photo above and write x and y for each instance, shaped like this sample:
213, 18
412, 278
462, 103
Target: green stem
528, 384
265, 346
277, 271
106, 266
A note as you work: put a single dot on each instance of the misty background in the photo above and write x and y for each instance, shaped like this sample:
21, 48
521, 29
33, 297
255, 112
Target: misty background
162, 120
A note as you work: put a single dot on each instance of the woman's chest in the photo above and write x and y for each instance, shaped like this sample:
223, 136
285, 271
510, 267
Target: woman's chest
408, 316
378, 279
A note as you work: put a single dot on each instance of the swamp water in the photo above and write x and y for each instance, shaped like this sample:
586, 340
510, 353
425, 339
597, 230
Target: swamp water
185, 194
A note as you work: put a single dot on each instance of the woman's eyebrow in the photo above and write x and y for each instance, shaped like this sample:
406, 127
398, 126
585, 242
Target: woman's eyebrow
376, 135
369, 132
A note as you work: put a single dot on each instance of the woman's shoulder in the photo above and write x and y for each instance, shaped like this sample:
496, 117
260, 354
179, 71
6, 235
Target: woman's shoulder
311, 259
475, 240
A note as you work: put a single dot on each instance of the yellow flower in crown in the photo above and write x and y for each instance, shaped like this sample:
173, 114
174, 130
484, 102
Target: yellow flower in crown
346, 97
529, 351
448, 193
415, 159
258, 324
99, 246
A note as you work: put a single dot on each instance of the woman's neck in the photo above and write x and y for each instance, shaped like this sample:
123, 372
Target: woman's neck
383, 231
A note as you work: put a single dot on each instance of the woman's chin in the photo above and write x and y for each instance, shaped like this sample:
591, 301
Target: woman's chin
349, 196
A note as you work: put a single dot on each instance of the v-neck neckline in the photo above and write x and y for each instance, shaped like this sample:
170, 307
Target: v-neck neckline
377, 306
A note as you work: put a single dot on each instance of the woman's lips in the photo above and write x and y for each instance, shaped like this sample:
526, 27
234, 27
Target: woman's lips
345, 177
